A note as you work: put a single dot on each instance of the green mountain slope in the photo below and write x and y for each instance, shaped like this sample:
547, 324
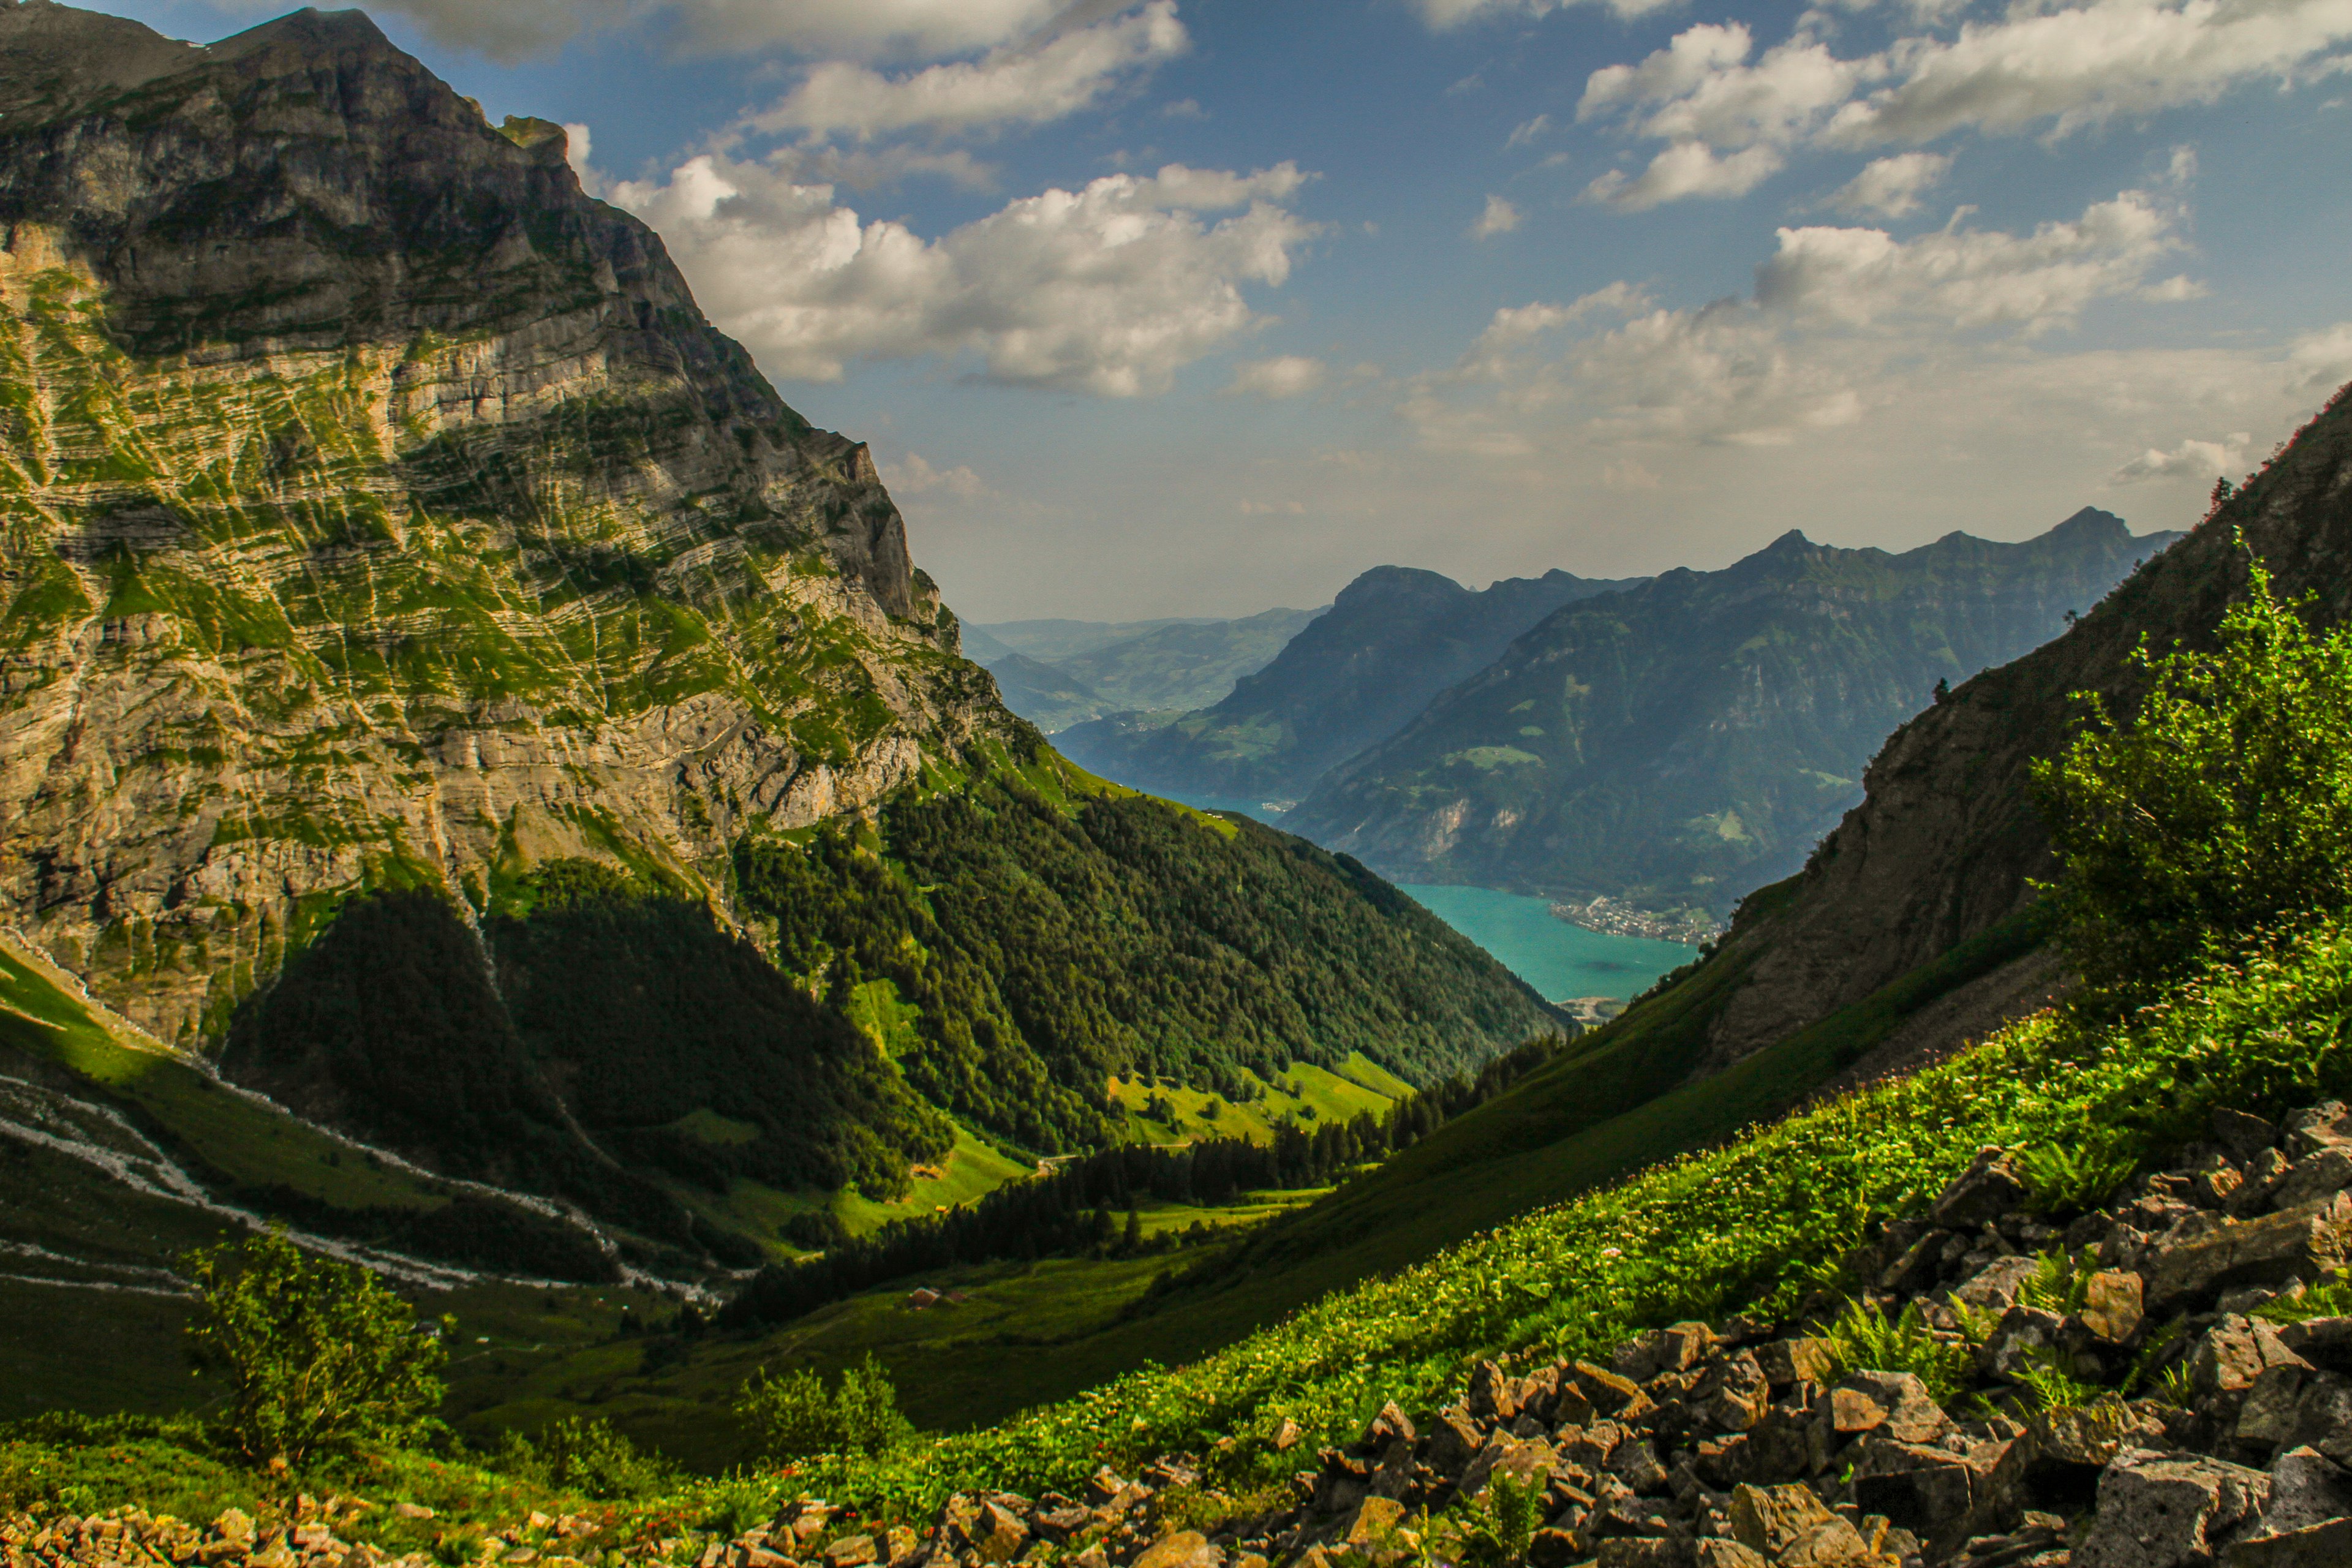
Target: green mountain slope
1392, 639
1672, 746
444, 679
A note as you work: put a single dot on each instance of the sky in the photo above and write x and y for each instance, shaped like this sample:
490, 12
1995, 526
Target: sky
1200, 307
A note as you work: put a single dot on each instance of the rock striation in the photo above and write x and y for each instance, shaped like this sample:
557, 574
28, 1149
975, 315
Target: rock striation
377, 509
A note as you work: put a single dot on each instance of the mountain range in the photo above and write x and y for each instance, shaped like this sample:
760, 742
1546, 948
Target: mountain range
1391, 640
1674, 745
449, 692
1058, 673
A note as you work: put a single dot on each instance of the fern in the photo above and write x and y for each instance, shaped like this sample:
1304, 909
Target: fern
2061, 1180
1864, 1339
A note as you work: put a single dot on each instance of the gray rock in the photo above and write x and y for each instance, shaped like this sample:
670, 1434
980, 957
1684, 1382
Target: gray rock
1927, 1490
2306, 1488
2327, 1545
2242, 1135
1732, 1395
1797, 1361
1987, 1189
2159, 1510
2301, 1242
1994, 1287
2318, 1127
2323, 1417
2325, 1343
2315, 1177
2270, 1414
1892, 1404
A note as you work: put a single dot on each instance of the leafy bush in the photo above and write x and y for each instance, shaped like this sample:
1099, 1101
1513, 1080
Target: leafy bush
1864, 1339
2219, 813
2060, 1283
588, 1457
2069, 1177
795, 1416
317, 1356
2330, 1297
1495, 1526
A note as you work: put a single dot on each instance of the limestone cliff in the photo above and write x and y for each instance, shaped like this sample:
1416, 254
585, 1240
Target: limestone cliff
376, 509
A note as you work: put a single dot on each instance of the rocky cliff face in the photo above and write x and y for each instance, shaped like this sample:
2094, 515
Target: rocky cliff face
1946, 842
1673, 746
378, 509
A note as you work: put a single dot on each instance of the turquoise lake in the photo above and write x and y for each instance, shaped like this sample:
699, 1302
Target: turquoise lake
1557, 959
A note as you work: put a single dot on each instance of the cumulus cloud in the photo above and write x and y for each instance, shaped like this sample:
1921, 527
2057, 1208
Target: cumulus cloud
1025, 84
1109, 289
1839, 317
1730, 121
1527, 132
2190, 459
915, 475
2323, 360
1289, 375
1499, 217
1891, 188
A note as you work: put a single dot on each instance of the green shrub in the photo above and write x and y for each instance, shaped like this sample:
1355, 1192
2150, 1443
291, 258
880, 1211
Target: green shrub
2220, 813
317, 1356
2064, 1178
795, 1416
588, 1457
1495, 1526
1864, 1339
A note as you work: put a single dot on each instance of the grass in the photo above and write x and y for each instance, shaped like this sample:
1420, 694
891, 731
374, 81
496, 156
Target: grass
246, 1141
1755, 1225
1304, 1092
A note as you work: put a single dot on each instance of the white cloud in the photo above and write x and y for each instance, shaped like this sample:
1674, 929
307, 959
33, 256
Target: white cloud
1110, 288
1973, 277
1728, 122
2190, 459
1289, 375
915, 475
1685, 169
1842, 321
1499, 217
2323, 360
1026, 85
1891, 188
1527, 132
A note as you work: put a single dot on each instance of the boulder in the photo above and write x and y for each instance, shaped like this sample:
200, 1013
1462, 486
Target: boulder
2325, 1545
1929, 1490
2226, 1359
2194, 1261
2023, 1335
2313, 1178
2308, 1132
2112, 1308
1987, 1190
1453, 1439
2323, 1417
1994, 1287
2268, 1415
2242, 1135
1731, 1396
1185, 1549
1891, 1403
2325, 1343
1610, 1394
1772, 1520
1494, 1395
2161, 1510
1785, 1362
851, 1551
1390, 1425
1636, 1463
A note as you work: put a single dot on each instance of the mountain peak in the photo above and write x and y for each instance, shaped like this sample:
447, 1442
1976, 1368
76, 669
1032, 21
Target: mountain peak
1789, 543
2091, 520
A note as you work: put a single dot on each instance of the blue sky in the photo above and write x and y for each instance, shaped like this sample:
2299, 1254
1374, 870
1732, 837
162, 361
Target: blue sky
1203, 306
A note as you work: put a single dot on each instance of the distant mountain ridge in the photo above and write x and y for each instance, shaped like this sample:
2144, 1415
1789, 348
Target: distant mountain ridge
1674, 745
1392, 639
1057, 673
